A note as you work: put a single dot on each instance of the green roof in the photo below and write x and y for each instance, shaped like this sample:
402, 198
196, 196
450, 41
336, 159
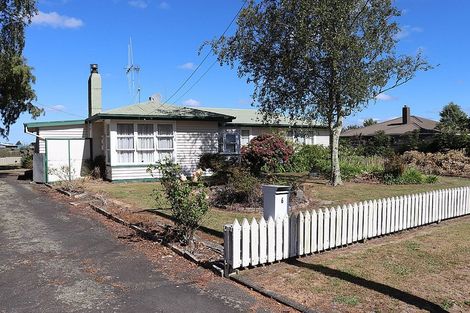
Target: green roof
54, 123
154, 110
251, 117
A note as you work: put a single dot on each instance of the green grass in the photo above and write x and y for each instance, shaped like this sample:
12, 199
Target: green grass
142, 195
348, 300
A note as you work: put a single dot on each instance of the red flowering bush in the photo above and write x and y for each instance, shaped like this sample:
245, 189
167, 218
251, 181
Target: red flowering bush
266, 152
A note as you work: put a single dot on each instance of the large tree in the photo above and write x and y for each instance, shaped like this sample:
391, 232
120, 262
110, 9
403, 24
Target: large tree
16, 78
318, 60
453, 127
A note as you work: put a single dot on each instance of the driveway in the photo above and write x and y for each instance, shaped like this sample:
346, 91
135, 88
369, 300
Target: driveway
53, 260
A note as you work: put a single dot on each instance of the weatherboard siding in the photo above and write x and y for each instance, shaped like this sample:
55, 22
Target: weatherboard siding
194, 139
74, 131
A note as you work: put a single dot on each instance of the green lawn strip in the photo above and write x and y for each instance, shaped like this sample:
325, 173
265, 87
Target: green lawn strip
429, 263
142, 196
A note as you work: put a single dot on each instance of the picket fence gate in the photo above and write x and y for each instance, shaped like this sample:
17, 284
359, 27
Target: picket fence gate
261, 242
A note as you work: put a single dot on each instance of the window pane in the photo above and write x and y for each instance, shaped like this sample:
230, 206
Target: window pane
145, 143
145, 130
230, 138
145, 156
125, 143
162, 156
125, 156
245, 137
125, 129
165, 143
165, 130
230, 148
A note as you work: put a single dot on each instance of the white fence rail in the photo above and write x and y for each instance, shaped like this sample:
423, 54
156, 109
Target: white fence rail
260, 242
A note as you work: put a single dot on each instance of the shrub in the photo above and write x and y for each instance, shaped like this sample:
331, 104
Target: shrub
27, 161
266, 152
394, 166
451, 163
188, 201
219, 164
67, 180
410, 176
308, 157
242, 188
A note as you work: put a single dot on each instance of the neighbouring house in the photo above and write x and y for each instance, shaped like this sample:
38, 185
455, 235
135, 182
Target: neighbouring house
6, 145
133, 137
396, 128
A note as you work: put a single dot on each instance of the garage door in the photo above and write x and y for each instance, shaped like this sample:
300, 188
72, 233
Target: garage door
66, 158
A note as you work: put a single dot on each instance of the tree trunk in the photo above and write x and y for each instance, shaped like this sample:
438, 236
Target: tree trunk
335, 131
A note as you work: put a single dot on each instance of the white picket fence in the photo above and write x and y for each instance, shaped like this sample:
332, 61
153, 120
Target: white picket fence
261, 242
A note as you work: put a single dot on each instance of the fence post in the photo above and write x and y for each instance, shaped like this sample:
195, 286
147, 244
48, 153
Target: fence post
228, 249
339, 225
254, 242
320, 230
355, 222
278, 241
350, 221
286, 239
245, 243
300, 233
332, 228
326, 229
271, 240
307, 229
344, 226
263, 241
360, 220
236, 237
379, 217
293, 235
314, 231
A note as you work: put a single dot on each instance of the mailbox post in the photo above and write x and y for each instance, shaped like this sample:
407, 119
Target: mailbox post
275, 201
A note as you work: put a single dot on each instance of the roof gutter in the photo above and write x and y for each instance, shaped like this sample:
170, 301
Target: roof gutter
25, 127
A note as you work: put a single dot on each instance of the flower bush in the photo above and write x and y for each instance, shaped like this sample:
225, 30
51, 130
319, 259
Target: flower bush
267, 152
188, 200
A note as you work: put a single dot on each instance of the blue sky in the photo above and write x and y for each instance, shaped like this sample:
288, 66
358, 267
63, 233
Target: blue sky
68, 35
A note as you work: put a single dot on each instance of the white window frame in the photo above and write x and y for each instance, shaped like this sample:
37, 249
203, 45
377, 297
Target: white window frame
237, 142
137, 149
249, 135
155, 136
133, 136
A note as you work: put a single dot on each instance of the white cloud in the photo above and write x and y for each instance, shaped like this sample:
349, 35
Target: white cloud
384, 97
140, 4
187, 66
57, 107
191, 103
407, 30
164, 5
55, 20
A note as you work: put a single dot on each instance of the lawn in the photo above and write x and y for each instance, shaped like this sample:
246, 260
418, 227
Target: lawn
142, 196
424, 269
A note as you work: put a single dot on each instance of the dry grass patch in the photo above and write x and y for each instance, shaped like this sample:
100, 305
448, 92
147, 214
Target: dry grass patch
419, 270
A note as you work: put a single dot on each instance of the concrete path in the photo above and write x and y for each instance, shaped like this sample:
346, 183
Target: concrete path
54, 261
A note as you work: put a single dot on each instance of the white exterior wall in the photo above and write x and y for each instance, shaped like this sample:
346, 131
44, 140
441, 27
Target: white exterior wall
73, 131
194, 138
191, 139
322, 137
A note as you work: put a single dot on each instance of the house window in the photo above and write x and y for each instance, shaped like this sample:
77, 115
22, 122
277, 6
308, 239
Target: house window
165, 144
245, 137
231, 143
145, 143
125, 143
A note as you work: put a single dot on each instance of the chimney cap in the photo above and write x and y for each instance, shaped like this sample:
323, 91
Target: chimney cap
94, 68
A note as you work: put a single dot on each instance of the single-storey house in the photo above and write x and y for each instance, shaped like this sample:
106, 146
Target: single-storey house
131, 138
395, 128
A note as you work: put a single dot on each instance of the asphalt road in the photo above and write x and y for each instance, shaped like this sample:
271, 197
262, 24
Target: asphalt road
49, 257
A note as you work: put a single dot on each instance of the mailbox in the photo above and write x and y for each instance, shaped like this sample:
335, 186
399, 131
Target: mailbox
275, 201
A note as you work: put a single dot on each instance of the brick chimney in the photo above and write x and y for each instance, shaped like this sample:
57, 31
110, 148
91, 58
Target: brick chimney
94, 91
406, 115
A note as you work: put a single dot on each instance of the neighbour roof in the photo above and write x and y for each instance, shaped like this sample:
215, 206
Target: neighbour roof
54, 123
252, 117
155, 110
394, 127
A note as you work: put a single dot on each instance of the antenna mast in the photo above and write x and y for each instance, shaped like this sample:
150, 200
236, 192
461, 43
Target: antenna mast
132, 73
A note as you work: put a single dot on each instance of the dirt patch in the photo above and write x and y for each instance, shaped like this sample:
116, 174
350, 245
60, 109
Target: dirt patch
423, 269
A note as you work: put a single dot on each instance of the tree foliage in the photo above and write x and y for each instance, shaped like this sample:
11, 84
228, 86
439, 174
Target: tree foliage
318, 59
453, 127
16, 78
369, 122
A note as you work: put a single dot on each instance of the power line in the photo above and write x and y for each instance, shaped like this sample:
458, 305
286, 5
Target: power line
59, 110
203, 60
197, 81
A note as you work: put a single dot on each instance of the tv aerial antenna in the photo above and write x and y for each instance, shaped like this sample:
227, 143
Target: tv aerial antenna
132, 73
